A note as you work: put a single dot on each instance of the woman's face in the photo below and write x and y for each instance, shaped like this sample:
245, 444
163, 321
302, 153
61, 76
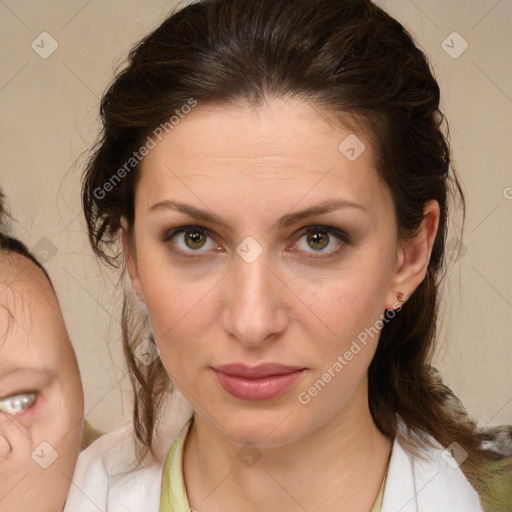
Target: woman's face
242, 281
41, 397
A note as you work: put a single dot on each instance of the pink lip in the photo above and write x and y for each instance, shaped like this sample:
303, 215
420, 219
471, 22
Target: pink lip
261, 382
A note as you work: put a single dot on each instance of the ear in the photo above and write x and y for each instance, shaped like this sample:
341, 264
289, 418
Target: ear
413, 257
131, 261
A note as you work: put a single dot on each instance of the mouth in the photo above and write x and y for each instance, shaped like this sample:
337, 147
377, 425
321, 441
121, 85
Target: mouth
261, 382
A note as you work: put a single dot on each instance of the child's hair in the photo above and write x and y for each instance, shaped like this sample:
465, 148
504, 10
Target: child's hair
13, 245
351, 60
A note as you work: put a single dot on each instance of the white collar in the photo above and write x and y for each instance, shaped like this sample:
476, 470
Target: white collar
103, 477
434, 485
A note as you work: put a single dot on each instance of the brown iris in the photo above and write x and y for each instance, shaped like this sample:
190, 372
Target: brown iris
196, 239
319, 239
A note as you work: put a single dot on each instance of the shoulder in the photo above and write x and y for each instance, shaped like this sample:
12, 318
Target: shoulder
108, 476
449, 487
429, 484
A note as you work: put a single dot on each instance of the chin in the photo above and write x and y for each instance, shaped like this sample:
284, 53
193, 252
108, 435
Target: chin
263, 428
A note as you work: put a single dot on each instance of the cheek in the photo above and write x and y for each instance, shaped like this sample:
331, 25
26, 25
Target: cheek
71, 404
345, 310
68, 449
71, 387
60, 431
58, 416
341, 354
15, 446
184, 304
179, 301
42, 449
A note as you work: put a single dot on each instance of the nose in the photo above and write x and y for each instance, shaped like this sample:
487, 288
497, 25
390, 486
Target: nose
254, 310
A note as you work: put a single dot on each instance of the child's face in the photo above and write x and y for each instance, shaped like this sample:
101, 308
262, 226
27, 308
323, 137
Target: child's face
41, 396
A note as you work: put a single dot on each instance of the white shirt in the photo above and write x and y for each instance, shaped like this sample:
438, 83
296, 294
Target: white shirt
106, 479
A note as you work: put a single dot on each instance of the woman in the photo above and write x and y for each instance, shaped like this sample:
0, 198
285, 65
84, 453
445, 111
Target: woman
276, 178
41, 397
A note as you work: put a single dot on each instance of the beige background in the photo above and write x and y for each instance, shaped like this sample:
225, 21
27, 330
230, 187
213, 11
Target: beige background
49, 116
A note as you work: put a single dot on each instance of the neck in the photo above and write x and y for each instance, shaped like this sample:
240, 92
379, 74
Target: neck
341, 462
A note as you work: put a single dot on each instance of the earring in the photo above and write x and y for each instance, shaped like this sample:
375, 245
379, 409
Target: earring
400, 297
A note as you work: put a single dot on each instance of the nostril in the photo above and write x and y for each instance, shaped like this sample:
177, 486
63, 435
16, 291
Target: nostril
5, 447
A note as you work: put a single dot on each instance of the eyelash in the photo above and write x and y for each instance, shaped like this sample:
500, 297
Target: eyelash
19, 395
344, 237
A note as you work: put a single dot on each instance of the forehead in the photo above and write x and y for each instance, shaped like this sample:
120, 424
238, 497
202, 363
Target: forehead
285, 149
30, 320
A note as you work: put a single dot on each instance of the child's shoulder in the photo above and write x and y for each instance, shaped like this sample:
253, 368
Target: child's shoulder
108, 474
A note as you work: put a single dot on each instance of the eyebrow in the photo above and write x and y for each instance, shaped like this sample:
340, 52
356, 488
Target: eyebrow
287, 220
10, 370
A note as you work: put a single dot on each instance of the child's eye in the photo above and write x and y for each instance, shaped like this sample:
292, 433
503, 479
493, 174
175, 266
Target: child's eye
17, 403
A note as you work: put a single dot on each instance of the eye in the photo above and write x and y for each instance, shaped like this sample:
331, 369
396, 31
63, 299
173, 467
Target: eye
190, 239
17, 403
320, 237
195, 239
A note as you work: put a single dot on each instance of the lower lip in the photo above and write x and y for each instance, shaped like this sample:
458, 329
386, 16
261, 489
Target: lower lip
263, 388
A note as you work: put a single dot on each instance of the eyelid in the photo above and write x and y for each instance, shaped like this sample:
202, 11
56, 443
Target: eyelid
339, 233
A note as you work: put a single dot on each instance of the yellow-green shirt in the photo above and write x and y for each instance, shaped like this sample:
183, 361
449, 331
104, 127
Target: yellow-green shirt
174, 495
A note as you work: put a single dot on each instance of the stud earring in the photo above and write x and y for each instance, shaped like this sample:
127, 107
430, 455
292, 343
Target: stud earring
400, 297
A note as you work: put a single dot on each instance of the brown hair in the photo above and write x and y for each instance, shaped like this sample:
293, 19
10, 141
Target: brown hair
350, 59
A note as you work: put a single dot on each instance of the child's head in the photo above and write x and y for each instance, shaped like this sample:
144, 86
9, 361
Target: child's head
41, 397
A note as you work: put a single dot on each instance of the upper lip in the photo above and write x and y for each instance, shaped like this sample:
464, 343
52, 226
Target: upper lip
260, 370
